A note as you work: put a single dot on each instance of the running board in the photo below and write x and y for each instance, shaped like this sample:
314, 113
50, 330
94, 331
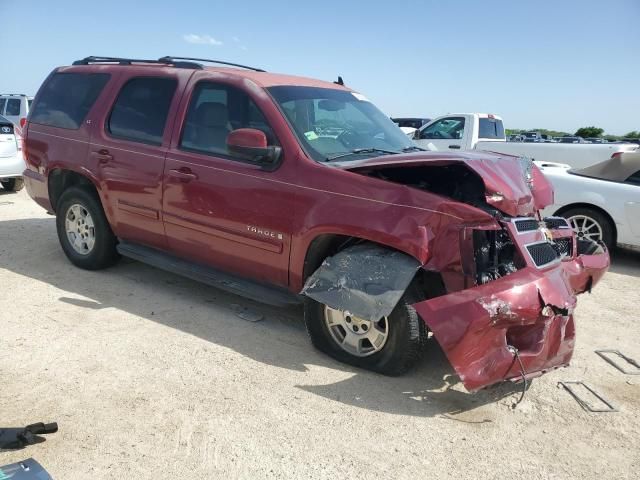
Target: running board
224, 281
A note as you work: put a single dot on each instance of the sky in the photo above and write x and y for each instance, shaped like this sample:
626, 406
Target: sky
544, 64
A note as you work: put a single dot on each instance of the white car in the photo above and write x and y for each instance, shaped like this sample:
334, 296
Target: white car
11, 161
601, 202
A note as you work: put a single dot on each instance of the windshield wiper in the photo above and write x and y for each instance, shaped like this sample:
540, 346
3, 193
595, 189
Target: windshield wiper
358, 151
413, 148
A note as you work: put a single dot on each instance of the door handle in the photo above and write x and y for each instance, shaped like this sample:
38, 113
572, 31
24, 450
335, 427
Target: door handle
103, 156
456, 147
184, 174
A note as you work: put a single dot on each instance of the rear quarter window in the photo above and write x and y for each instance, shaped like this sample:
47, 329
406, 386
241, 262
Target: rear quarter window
3, 102
490, 128
65, 100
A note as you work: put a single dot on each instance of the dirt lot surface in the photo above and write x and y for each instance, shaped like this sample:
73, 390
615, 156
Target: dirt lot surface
151, 375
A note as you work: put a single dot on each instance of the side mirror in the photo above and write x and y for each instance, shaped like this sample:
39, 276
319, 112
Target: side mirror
251, 144
416, 135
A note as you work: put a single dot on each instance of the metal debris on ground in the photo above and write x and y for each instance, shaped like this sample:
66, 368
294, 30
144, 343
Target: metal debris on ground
584, 403
247, 313
607, 355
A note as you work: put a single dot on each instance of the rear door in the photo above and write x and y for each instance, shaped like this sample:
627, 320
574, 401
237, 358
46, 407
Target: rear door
445, 134
128, 150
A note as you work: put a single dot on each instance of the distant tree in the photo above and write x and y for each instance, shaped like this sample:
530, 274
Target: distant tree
589, 132
633, 134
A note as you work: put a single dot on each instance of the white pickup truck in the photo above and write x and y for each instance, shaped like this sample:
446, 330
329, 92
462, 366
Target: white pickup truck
482, 131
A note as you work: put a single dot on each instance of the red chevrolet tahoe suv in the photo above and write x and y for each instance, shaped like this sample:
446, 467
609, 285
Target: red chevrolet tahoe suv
287, 189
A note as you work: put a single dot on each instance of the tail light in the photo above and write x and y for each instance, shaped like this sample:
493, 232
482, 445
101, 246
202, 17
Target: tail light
23, 121
616, 155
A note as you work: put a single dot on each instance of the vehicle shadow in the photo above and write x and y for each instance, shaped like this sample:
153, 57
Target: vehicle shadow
30, 248
625, 261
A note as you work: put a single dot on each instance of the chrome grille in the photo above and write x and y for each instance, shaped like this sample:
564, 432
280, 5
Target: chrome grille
564, 246
527, 225
556, 222
542, 253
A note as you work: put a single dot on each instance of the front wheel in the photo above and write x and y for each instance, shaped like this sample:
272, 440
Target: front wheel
84, 231
391, 345
12, 184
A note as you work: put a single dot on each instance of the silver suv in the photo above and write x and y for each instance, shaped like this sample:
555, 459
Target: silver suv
15, 107
11, 162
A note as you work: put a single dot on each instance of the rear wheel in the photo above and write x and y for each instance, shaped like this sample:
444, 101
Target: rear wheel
12, 184
390, 345
83, 230
591, 224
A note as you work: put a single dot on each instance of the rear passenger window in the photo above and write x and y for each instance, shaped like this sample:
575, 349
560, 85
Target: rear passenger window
3, 102
141, 109
214, 112
13, 107
65, 100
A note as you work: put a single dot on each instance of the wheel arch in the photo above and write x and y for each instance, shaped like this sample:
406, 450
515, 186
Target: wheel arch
591, 206
60, 179
429, 282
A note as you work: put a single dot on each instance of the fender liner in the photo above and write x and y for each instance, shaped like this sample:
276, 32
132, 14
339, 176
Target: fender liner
366, 279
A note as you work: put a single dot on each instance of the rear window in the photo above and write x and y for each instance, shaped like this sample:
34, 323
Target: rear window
65, 100
13, 107
141, 109
490, 128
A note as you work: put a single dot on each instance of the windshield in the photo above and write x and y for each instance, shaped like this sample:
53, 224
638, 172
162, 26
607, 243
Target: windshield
332, 123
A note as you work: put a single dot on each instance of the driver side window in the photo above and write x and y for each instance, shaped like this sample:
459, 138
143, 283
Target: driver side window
447, 128
216, 110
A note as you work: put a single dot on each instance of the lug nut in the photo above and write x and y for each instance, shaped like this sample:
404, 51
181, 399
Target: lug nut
355, 328
364, 328
348, 319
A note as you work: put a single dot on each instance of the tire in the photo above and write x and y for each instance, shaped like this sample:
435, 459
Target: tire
12, 184
576, 216
404, 345
102, 252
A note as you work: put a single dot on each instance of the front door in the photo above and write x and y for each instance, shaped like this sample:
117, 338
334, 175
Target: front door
218, 209
128, 151
445, 134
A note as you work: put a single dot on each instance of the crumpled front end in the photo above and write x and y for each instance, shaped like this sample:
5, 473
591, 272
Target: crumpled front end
525, 302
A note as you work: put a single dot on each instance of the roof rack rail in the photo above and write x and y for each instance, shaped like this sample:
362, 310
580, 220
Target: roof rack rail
170, 59
129, 61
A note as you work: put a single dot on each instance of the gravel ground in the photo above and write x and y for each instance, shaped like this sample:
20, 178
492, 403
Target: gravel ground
150, 375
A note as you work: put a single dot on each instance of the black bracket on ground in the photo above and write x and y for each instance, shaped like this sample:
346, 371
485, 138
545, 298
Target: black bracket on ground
606, 356
17, 438
569, 387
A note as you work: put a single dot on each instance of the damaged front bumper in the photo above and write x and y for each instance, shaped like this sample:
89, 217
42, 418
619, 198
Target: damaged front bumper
531, 310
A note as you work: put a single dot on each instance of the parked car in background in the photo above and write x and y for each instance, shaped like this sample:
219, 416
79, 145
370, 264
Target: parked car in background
288, 189
596, 140
601, 202
572, 139
11, 161
412, 122
410, 125
482, 131
15, 108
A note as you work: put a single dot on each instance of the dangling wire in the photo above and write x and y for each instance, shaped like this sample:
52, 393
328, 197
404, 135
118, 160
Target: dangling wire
516, 355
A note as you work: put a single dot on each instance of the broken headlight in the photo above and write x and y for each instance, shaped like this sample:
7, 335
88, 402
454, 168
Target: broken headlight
494, 254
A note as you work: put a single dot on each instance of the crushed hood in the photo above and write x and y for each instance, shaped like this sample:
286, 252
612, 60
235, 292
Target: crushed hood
513, 185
